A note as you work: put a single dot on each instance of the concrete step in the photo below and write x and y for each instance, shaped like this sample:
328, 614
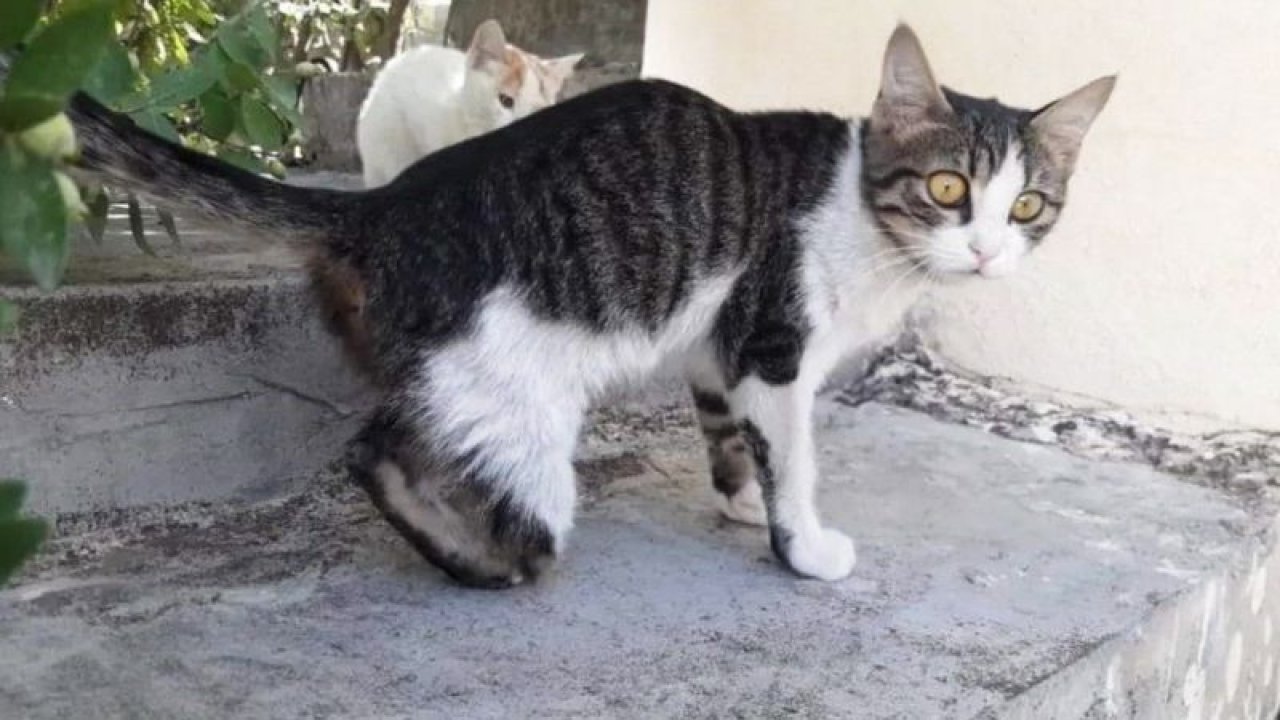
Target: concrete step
996, 579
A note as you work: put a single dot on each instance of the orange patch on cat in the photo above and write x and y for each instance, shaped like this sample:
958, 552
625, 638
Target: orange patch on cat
513, 76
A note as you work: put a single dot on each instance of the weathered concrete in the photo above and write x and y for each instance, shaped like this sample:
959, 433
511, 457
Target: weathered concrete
607, 30
330, 107
996, 579
198, 374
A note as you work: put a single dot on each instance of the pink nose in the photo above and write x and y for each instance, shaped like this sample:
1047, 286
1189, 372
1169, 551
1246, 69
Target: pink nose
982, 257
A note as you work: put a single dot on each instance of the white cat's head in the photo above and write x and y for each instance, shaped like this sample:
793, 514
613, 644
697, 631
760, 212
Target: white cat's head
964, 185
504, 83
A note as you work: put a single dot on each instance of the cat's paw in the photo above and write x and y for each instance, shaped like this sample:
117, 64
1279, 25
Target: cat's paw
825, 555
745, 506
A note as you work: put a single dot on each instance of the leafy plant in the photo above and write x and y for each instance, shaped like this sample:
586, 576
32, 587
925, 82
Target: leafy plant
20, 536
347, 35
184, 71
38, 201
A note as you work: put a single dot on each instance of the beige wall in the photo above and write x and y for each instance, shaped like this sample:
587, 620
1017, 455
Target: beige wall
1160, 289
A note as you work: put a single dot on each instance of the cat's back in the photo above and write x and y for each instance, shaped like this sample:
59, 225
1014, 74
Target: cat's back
428, 68
638, 126
408, 110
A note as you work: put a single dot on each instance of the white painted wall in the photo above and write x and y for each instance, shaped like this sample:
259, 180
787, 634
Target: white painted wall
1160, 289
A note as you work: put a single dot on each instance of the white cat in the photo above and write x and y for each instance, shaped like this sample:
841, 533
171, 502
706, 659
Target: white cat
431, 97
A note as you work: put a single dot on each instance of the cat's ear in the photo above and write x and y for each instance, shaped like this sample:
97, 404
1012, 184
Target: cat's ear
488, 45
562, 67
1062, 124
908, 91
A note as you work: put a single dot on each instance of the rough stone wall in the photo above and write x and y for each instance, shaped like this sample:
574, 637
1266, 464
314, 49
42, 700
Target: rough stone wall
607, 30
610, 32
330, 106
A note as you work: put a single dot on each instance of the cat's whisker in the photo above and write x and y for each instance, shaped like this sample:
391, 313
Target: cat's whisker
887, 293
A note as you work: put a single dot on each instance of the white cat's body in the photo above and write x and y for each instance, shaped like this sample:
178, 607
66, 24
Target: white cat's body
431, 97
414, 108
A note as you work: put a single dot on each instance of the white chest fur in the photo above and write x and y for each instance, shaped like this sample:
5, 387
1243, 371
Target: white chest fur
858, 286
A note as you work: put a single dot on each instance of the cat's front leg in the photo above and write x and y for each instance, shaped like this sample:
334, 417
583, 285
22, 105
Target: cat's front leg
777, 424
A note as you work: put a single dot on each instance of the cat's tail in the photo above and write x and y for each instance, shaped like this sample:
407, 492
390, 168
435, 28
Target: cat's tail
115, 150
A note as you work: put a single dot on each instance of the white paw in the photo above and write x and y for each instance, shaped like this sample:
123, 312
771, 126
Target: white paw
746, 507
827, 555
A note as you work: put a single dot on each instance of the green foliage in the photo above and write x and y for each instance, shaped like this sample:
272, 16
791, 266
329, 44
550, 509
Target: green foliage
224, 92
55, 62
33, 215
188, 71
34, 139
37, 200
8, 317
20, 537
348, 34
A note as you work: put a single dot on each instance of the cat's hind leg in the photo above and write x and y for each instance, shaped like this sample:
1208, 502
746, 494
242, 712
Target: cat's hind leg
474, 526
733, 470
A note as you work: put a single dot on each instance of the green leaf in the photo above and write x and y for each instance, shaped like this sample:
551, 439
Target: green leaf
58, 59
137, 227
218, 115
238, 41
153, 122
260, 124
240, 78
20, 113
12, 493
263, 32
17, 17
282, 91
33, 216
185, 84
96, 220
19, 540
112, 79
9, 315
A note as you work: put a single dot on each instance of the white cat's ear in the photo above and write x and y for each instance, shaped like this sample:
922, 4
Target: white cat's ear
907, 88
488, 45
562, 67
1062, 124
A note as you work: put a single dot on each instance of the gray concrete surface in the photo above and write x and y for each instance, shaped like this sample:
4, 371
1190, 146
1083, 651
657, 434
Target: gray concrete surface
201, 373
996, 579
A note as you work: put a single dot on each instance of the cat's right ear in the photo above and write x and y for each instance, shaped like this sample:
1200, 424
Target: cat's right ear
908, 92
488, 45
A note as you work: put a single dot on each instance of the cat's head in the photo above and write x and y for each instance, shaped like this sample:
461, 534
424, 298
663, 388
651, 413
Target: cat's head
504, 83
963, 185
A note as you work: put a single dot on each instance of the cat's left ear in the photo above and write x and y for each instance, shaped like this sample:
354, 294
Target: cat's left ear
562, 67
1061, 125
488, 45
908, 93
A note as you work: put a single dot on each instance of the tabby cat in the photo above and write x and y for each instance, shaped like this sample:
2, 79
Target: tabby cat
496, 287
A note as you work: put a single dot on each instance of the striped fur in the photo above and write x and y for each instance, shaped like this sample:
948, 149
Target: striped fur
495, 288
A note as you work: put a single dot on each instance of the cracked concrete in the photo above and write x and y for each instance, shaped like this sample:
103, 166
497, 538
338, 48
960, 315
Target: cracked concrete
123, 394
997, 579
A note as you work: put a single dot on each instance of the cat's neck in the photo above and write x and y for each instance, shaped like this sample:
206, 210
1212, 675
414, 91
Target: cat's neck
850, 255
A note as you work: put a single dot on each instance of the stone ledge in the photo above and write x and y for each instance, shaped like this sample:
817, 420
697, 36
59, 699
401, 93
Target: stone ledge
122, 394
997, 579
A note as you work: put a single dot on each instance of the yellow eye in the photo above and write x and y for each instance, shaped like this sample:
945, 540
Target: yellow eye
1027, 207
948, 189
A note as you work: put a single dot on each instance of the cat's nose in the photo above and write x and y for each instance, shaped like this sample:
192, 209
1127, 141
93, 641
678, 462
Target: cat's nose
982, 256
